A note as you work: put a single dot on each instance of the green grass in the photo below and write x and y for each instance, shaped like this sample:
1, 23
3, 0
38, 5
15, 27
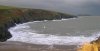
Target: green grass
6, 7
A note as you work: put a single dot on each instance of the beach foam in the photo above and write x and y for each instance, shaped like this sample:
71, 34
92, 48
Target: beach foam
23, 33
64, 19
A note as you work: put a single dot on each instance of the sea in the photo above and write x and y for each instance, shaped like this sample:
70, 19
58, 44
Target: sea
73, 31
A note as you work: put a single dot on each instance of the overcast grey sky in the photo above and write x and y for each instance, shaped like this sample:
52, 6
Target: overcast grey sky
91, 7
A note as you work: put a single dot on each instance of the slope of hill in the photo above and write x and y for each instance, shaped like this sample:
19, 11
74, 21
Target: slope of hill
11, 15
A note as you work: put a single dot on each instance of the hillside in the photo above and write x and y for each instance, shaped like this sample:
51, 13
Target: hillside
10, 15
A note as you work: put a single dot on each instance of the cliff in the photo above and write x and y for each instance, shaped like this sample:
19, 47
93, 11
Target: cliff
12, 16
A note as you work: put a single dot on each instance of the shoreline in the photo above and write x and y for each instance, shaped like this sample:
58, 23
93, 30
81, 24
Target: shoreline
11, 17
20, 46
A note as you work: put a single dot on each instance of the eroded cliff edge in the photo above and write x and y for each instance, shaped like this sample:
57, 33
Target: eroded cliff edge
11, 17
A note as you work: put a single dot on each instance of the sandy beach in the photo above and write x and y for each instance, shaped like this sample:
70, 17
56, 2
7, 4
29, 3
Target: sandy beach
19, 46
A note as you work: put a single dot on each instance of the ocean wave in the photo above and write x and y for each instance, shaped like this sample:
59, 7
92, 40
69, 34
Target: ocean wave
23, 33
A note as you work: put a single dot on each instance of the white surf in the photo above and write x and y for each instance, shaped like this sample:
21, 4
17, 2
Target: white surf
23, 33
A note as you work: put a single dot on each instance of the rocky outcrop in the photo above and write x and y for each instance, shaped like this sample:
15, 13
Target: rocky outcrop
10, 17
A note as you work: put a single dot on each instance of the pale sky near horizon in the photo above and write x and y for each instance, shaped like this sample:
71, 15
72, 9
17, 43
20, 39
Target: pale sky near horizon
91, 7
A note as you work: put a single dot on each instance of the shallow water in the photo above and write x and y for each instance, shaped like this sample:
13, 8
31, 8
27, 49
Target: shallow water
58, 32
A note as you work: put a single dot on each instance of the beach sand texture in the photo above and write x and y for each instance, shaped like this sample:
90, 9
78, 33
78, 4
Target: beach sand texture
19, 46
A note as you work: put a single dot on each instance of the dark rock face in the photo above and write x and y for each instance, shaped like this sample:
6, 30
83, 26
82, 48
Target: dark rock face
9, 17
4, 34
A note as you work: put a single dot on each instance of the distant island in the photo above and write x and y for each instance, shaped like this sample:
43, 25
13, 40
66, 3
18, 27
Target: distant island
10, 16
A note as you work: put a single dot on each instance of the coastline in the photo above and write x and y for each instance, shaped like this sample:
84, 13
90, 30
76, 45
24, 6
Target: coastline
13, 16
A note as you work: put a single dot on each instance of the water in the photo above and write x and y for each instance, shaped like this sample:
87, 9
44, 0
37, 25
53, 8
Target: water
74, 31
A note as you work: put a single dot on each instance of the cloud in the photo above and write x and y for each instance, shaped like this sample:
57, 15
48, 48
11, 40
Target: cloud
68, 6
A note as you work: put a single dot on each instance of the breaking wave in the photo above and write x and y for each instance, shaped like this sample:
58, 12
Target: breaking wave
23, 33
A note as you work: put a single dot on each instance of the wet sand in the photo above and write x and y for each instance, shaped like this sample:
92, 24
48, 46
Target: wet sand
20, 46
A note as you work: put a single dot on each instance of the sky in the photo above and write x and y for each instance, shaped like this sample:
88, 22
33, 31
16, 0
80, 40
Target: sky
76, 7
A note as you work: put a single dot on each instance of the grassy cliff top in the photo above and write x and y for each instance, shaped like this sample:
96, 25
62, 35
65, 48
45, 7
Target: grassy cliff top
6, 7
7, 13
